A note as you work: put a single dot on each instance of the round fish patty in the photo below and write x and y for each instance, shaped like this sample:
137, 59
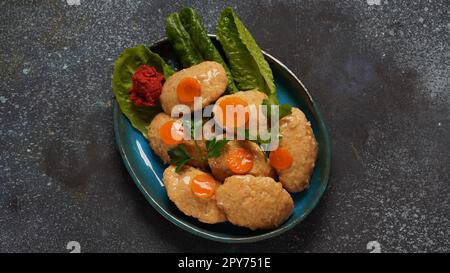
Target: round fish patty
254, 202
178, 187
298, 138
211, 76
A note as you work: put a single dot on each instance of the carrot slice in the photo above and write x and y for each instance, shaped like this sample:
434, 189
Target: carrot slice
280, 159
171, 132
240, 161
187, 89
236, 107
203, 185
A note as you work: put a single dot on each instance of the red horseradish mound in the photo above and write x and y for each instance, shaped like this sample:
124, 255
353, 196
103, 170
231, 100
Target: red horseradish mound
147, 86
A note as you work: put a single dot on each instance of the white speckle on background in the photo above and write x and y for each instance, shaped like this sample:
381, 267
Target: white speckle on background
25, 71
3, 99
374, 2
73, 2
421, 20
439, 124
64, 66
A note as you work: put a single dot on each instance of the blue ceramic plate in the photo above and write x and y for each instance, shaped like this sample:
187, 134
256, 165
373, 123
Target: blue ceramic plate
146, 168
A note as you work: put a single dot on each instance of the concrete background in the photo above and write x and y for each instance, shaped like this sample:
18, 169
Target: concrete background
378, 70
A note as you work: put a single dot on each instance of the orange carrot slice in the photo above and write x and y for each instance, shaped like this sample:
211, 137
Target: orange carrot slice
187, 89
280, 159
203, 185
240, 161
237, 108
171, 132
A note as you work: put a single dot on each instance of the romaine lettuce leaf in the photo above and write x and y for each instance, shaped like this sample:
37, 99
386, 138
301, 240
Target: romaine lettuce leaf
181, 41
249, 68
194, 26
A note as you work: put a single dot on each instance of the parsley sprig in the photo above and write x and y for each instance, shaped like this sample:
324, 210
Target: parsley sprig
283, 109
214, 146
179, 156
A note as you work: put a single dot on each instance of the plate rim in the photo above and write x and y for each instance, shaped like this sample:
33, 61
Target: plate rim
224, 239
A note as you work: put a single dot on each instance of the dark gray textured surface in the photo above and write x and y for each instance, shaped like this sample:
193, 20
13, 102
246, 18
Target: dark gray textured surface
379, 73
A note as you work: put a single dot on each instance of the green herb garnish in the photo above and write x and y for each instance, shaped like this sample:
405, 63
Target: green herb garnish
283, 109
179, 156
215, 146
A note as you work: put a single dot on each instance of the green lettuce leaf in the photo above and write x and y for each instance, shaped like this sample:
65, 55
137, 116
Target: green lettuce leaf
247, 63
127, 63
181, 41
200, 39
